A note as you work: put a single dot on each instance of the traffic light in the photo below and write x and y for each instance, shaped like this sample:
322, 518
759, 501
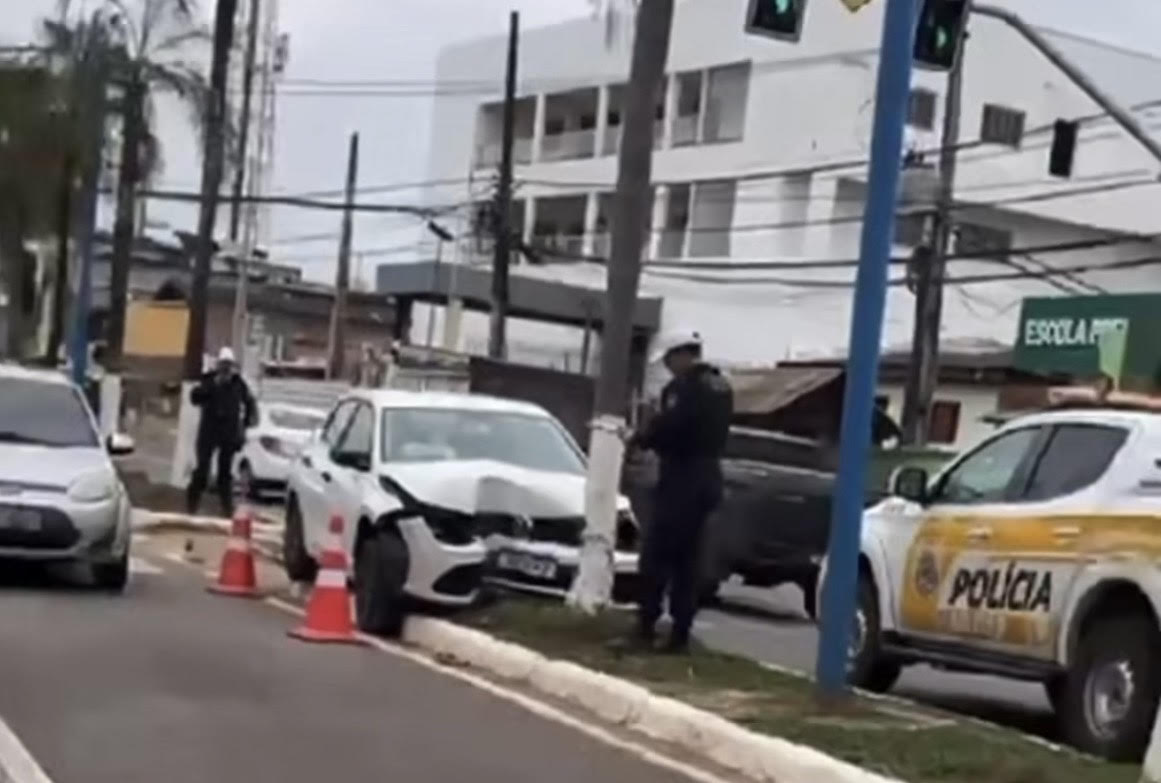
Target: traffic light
939, 34
781, 19
1063, 148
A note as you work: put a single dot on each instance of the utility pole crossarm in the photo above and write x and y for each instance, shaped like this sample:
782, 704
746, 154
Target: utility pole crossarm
1077, 76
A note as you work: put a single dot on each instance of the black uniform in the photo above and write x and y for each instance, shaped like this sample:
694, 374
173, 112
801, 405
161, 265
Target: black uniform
689, 436
228, 409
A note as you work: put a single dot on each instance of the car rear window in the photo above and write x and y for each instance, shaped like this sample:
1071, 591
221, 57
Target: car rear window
43, 413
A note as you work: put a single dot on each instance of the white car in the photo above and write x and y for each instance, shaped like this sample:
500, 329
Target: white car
272, 445
60, 497
420, 479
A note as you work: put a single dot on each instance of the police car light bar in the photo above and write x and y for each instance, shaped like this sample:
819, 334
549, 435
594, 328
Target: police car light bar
1096, 397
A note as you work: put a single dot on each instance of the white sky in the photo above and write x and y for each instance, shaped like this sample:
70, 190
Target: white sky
399, 40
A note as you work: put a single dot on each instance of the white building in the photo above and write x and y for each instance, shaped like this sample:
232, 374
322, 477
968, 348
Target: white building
761, 157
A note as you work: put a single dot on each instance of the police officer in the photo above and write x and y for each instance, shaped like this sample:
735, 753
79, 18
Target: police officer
228, 409
688, 435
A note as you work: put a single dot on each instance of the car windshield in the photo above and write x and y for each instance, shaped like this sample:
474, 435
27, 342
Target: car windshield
418, 435
43, 414
295, 420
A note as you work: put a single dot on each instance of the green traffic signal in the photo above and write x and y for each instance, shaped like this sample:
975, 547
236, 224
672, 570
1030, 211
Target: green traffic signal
939, 32
781, 19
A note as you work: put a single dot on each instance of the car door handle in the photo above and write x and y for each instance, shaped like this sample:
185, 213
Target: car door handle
1066, 533
979, 534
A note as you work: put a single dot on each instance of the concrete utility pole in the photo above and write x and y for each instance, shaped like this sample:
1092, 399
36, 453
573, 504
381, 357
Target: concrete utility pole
336, 343
497, 332
240, 178
923, 372
592, 587
870, 296
212, 166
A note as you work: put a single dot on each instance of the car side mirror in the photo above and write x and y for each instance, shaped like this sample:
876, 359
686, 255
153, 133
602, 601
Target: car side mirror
119, 444
909, 483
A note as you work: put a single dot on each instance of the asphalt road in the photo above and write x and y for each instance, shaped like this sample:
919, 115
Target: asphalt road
769, 625
170, 683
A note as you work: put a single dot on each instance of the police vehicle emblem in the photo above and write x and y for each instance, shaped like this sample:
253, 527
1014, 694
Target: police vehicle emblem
927, 574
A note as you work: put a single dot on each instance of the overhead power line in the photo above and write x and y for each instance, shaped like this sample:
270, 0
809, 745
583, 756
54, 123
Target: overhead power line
902, 281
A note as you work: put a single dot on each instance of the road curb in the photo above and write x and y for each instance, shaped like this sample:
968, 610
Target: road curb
145, 521
757, 756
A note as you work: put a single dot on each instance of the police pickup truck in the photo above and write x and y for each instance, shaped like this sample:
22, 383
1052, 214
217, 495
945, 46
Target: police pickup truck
1034, 555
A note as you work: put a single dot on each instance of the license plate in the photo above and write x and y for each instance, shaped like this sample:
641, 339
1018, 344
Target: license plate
529, 565
20, 519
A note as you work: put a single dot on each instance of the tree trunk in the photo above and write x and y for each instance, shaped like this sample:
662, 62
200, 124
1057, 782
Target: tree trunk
64, 228
123, 225
212, 169
13, 279
592, 587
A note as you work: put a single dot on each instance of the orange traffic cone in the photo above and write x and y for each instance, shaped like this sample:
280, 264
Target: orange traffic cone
328, 612
236, 575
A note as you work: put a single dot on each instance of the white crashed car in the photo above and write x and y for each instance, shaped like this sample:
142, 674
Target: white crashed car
422, 480
272, 444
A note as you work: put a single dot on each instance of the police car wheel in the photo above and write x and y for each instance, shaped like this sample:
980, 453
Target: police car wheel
866, 666
1111, 696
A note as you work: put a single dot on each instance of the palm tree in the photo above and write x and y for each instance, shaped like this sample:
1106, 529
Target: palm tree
150, 41
70, 52
31, 141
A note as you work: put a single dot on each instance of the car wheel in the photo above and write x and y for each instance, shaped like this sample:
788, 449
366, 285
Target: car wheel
299, 565
381, 564
114, 576
809, 598
247, 483
867, 668
1111, 694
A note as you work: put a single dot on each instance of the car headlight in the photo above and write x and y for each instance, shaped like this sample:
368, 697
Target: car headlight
92, 488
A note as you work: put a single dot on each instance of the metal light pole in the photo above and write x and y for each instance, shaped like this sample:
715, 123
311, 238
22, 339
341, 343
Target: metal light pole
891, 96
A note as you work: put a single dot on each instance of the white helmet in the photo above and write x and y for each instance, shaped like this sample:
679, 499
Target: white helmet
227, 355
672, 341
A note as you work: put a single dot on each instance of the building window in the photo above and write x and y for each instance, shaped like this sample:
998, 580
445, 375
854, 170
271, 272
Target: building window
1001, 125
712, 219
944, 425
921, 109
983, 241
725, 111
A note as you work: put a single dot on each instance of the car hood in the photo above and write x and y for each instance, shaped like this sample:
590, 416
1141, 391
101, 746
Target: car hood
492, 487
39, 466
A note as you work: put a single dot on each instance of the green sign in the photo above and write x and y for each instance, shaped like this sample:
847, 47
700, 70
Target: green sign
1084, 337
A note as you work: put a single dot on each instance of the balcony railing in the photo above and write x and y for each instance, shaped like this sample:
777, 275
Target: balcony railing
489, 154
569, 145
685, 130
